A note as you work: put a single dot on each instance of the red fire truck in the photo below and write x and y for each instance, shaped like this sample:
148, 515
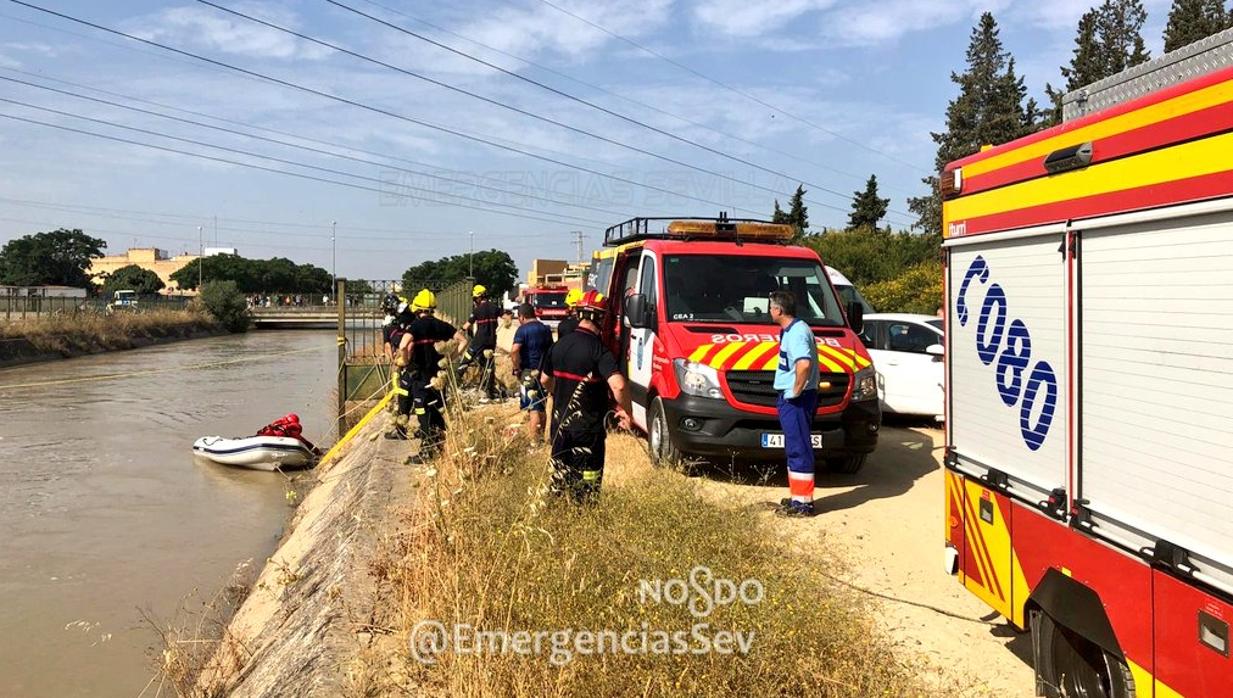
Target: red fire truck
692, 329
1089, 362
549, 302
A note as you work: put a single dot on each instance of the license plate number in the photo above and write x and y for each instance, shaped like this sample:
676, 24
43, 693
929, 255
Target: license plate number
774, 440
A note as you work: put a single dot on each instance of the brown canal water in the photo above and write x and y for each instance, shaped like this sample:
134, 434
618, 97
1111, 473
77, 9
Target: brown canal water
104, 512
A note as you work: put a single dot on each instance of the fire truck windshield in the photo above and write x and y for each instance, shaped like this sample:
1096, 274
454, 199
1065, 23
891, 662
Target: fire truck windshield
707, 288
550, 300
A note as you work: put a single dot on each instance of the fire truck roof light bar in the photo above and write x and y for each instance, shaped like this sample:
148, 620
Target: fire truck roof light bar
721, 228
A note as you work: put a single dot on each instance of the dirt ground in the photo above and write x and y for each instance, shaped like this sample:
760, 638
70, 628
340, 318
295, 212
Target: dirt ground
886, 525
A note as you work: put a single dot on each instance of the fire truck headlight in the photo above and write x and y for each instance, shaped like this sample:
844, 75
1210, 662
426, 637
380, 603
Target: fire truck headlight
697, 379
865, 385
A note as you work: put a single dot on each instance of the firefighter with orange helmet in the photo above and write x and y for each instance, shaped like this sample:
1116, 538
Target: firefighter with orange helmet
583, 376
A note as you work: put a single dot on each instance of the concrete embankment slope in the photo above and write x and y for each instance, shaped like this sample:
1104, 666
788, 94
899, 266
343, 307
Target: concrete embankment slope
315, 603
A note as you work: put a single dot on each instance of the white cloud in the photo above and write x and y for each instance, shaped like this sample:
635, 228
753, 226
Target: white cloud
744, 18
526, 31
871, 24
210, 28
7, 62
46, 50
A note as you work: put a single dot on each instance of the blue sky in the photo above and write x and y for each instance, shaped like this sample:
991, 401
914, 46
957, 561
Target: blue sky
870, 78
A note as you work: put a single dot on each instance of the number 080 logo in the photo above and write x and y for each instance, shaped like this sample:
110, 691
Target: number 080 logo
1011, 347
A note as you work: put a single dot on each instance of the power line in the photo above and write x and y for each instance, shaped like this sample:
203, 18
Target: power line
244, 164
574, 98
294, 163
734, 90
639, 103
499, 103
194, 221
257, 127
377, 110
308, 148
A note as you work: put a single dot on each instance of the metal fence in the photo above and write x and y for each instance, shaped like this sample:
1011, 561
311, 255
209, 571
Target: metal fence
14, 307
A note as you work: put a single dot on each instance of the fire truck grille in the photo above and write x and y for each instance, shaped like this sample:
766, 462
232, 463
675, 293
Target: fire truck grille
757, 388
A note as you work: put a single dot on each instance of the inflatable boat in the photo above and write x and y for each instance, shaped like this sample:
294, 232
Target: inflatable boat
255, 452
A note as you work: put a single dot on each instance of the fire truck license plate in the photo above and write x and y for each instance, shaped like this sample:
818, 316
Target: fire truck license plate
773, 440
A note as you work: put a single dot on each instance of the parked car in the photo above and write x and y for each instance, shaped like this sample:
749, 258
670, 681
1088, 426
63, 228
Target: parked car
847, 291
123, 300
907, 354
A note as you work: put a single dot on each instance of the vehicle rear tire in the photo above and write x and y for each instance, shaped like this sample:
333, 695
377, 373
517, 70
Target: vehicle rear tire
659, 436
847, 465
1070, 666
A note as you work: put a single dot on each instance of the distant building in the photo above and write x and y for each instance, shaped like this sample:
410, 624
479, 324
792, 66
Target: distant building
43, 291
153, 259
212, 251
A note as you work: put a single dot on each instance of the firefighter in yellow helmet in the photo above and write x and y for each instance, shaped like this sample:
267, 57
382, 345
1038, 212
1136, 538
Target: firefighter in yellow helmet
423, 368
483, 345
570, 322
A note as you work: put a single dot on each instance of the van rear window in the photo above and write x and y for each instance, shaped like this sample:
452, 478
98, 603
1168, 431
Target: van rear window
728, 288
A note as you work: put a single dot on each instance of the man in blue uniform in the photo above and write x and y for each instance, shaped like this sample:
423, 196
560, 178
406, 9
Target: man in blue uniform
796, 379
532, 341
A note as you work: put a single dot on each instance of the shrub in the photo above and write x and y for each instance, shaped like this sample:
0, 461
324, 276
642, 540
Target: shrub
917, 290
869, 256
224, 301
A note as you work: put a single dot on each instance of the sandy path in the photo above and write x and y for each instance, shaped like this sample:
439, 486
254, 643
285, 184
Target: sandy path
886, 525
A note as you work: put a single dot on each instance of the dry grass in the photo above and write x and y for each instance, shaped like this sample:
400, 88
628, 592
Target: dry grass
90, 332
488, 547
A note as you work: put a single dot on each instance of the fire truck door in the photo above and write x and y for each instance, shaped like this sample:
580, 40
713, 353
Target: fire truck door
642, 342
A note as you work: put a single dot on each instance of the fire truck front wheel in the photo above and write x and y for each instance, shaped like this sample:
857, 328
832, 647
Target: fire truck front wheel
1070, 666
847, 464
659, 436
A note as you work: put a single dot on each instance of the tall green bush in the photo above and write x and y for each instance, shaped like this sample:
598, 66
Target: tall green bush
917, 290
224, 301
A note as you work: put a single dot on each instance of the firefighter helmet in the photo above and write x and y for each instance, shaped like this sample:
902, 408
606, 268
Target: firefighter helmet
593, 301
572, 298
390, 304
424, 300
479, 291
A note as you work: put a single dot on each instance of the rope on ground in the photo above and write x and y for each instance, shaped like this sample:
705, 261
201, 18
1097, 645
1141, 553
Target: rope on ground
376, 409
917, 604
133, 374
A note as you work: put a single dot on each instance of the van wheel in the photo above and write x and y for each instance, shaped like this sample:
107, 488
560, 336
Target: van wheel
1070, 666
847, 465
659, 437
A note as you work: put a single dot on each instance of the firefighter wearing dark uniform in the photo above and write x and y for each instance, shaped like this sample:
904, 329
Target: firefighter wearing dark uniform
483, 327
570, 322
583, 377
424, 367
398, 336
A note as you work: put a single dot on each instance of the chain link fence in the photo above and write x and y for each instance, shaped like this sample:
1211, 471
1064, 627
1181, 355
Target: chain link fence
21, 307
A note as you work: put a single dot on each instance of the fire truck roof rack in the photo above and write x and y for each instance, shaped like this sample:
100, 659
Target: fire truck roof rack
697, 228
1179, 65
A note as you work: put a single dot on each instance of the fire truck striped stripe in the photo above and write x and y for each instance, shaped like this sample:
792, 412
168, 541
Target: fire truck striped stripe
753, 355
828, 355
718, 360
700, 352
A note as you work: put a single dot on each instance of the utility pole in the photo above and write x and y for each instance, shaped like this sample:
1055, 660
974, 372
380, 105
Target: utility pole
578, 241
200, 258
334, 260
471, 256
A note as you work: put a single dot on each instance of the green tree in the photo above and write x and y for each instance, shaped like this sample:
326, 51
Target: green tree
867, 207
1119, 27
778, 215
495, 269
58, 258
133, 278
225, 301
798, 212
277, 275
873, 256
917, 290
990, 109
1193, 20
1087, 64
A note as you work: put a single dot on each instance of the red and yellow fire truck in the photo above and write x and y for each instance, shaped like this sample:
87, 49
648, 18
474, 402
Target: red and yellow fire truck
1089, 364
690, 323
548, 301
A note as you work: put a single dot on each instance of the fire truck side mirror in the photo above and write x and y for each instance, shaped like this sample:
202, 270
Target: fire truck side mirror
638, 313
856, 317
